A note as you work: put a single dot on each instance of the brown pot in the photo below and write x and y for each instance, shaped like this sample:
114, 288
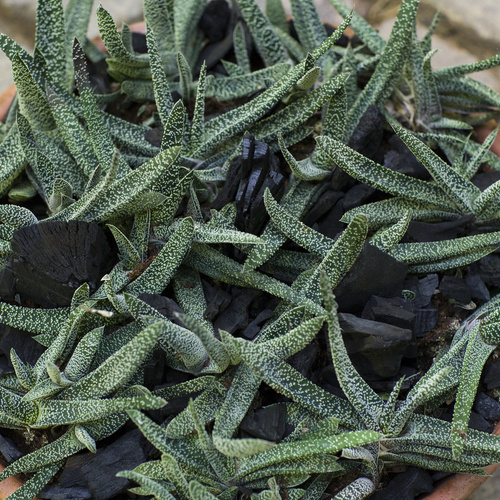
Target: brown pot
456, 487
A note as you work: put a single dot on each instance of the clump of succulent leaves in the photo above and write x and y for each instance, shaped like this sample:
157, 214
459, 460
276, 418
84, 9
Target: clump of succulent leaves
86, 164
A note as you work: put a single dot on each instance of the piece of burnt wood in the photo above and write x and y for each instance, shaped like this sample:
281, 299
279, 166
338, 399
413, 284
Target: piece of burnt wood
50, 260
374, 273
250, 173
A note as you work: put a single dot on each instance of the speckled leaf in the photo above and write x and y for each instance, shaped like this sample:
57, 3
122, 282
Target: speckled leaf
267, 42
53, 412
239, 120
294, 202
33, 320
288, 381
298, 111
382, 177
129, 256
73, 133
12, 158
186, 17
420, 253
234, 87
83, 355
386, 238
460, 190
302, 449
185, 77
360, 488
34, 485
117, 369
389, 67
148, 486
240, 48
363, 398
476, 355
159, 273
32, 100
50, 39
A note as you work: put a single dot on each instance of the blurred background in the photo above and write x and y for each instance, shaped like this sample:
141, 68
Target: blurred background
468, 31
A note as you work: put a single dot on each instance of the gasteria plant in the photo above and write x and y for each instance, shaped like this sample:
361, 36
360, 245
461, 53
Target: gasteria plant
63, 146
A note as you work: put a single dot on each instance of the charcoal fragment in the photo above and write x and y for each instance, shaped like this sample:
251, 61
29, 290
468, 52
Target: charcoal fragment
235, 316
9, 450
436, 231
250, 173
380, 309
479, 290
489, 269
27, 348
358, 195
423, 288
50, 260
425, 320
487, 407
374, 273
367, 136
254, 327
100, 470
491, 376
455, 289
266, 423
484, 180
406, 485
164, 305
322, 206
303, 360
214, 21
376, 349
402, 160
479, 423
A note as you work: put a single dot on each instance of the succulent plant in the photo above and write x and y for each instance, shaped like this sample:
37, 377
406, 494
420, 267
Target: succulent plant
152, 187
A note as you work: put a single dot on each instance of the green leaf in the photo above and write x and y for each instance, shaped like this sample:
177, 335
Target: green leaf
117, 369
384, 178
159, 273
267, 42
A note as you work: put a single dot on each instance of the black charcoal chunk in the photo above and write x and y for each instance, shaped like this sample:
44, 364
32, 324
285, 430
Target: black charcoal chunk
401, 159
376, 349
322, 206
9, 450
139, 42
479, 423
406, 485
254, 327
266, 423
154, 136
423, 288
367, 136
357, 195
425, 320
28, 349
330, 224
383, 310
126, 453
235, 316
374, 273
250, 173
54, 492
484, 180
487, 407
491, 376
164, 305
303, 360
436, 231
216, 303
479, 290
215, 20
50, 260
489, 269
455, 289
